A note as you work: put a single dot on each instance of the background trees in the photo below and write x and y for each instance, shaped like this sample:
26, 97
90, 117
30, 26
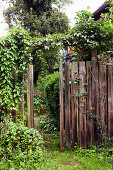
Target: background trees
38, 17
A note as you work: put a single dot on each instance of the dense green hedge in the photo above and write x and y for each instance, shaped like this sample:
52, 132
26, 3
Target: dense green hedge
51, 93
20, 147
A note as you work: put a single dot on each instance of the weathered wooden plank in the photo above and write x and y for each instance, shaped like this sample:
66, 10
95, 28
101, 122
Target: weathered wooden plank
61, 107
67, 106
95, 84
14, 110
102, 97
30, 102
28, 98
21, 105
89, 119
82, 104
110, 99
74, 73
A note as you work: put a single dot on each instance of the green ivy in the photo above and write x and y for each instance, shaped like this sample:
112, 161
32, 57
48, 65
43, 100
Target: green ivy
14, 56
20, 147
51, 93
85, 35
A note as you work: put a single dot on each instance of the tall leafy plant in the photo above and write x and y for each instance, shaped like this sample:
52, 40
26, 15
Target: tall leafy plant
14, 56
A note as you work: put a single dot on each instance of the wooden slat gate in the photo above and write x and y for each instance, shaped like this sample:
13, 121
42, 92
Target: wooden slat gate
88, 102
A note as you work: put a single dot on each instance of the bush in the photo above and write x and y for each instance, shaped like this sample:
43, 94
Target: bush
46, 123
51, 93
20, 147
39, 103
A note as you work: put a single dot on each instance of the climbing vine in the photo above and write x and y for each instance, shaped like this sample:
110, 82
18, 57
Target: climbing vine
14, 56
85, 35
16, 50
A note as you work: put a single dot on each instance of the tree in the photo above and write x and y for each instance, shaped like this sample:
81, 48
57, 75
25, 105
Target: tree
38, 17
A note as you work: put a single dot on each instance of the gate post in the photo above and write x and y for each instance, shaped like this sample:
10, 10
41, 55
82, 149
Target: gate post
30, 101
67, 106
61, 107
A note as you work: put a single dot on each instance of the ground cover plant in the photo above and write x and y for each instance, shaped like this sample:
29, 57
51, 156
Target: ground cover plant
20, 147
51, 94
39, 103
47, 124
90, 159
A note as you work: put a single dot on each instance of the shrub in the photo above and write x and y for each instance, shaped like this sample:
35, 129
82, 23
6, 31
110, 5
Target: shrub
46, 123
51, 93
20, 147
39, 103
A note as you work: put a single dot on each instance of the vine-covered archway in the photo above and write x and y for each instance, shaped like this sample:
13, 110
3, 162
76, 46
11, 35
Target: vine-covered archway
17, 47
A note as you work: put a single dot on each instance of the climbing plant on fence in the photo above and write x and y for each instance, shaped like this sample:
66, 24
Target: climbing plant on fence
16, 49
14, 56
85, 35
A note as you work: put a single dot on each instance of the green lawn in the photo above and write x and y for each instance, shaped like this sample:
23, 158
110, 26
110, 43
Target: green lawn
69, 159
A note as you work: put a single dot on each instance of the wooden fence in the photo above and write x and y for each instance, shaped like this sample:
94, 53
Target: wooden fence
88, 101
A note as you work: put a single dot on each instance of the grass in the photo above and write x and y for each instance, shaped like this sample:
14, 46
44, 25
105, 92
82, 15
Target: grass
54, 159
70, 159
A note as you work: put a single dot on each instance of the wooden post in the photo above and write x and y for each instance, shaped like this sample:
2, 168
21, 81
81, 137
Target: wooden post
67, 106
95, 108
110, 99
21, 105
103, 102
82, 105
30, 103
14, 110
61, 107
89, 119
74, 104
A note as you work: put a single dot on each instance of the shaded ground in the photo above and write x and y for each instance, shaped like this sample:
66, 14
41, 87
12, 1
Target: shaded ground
68, 159
70, 163
52, 145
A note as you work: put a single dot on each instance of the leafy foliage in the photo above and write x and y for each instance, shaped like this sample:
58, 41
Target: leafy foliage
38, 17
20, 147
51, 92
46, 123
87, 34
39, 103
14, 56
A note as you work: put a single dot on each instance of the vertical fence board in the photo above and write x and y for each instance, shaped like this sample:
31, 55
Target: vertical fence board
95, 110
21, 105
14, 110
31, 96
67, 106
28, 98
89, 119
99, 101
82, 105
74, 73
110, 99
102, 101
61, 107
30, 102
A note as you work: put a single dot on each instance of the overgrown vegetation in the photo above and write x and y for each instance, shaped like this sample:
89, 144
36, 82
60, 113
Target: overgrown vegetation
88, 34
51, 92
38, 17
20, 147
14, 57
47, 124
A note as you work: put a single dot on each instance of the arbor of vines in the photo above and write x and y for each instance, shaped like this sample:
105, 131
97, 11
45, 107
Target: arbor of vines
17, 47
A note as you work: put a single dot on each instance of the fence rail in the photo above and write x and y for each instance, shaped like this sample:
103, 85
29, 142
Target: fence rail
88, 102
